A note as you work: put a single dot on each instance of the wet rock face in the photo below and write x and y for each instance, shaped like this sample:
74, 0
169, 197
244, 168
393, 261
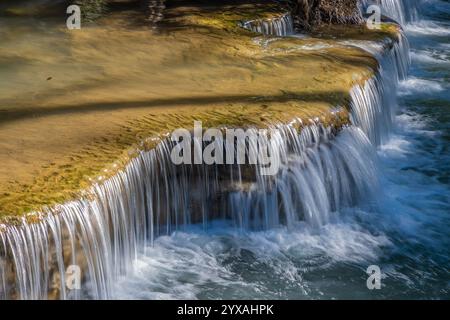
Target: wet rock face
312, 13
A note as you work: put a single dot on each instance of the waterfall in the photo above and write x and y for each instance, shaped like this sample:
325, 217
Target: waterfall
155, 10
322, 169
396, 9
278, 26
103, 232
313, 184
373, 104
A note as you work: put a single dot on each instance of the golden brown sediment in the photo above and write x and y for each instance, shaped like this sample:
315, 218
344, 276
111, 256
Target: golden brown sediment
79, 102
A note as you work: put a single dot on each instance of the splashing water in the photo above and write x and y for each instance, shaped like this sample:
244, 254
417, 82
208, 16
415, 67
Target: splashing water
133, 207
281, 26
401, 11
404, 230
160, 231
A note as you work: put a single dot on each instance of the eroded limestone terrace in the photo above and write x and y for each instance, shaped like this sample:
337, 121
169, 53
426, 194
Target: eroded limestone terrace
77, 104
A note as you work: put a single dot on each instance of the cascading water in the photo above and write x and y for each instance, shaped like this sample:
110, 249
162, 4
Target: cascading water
104, 231
279, 26
374, 103
405, 231
400, 11
281, 220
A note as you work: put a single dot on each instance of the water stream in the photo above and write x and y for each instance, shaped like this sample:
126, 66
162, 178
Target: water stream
403, 228
376, 193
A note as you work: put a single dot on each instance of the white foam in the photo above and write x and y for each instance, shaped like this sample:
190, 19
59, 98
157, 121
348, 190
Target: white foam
186, 264
429, 57
414, 85
412, 202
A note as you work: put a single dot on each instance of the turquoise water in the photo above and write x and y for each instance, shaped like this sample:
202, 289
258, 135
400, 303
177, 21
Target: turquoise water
404, 229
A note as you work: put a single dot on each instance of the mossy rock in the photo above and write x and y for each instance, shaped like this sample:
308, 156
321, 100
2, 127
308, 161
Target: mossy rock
92, 9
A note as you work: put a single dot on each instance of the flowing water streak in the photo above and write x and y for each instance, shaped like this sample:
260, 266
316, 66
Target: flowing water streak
373, 104
410, 217
103, 231
399, 10
278, 26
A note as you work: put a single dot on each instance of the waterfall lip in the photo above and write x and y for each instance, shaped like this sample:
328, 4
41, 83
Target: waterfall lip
17, 200
382, 49
244, 23
55, 217
338, 113
82, 211
280, 25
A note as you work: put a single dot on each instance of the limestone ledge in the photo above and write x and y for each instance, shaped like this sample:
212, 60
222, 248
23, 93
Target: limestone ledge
204, 68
